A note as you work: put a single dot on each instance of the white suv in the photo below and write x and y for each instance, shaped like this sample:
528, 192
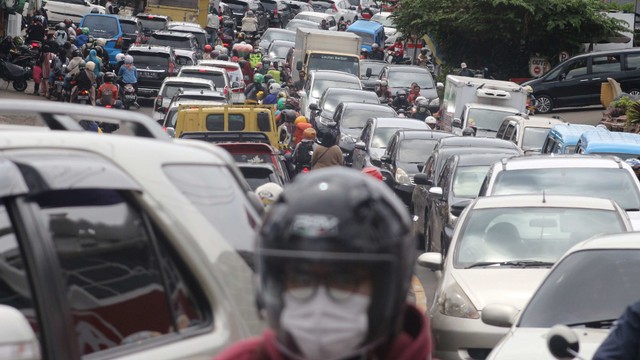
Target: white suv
582, 175
59, 10
341, 9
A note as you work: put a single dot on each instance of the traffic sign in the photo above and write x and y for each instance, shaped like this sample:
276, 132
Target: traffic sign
563, 56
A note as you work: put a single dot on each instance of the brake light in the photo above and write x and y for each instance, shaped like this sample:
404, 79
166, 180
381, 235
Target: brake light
150, 17
202, 70
119, 43
275, 12
305, 170
226, 90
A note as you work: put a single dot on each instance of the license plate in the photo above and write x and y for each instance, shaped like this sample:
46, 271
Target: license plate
83, 97
147, 75
59, 83
130, 97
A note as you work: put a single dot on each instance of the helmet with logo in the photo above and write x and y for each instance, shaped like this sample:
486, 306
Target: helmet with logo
268, 193
258, 78
334, 230
18, 41
85, 30
274, 88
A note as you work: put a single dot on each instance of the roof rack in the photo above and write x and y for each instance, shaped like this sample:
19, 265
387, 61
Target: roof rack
65, 116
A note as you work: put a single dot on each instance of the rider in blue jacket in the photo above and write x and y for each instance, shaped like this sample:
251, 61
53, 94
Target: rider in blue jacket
623, 342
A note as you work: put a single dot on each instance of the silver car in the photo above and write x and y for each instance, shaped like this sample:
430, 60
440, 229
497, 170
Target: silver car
501, 250
588, 289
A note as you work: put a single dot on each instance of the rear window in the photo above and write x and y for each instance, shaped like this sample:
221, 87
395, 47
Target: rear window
257, 176
200, 37
152, 24
217, 78
184, 60
237, 6
215, 122
172, 41
269, 5
150, 59
101, 26
170, 90
128, 28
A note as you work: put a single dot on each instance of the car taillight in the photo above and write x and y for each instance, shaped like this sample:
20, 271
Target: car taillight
226, 90
305, 170
360, 8
119, 43
275, 12
158, 101
172, 68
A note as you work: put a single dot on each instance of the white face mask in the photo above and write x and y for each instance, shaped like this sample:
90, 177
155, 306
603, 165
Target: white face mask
324, 328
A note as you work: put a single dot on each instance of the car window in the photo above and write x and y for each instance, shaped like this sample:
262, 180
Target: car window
176, 42
258, 176
217, 78
128, 28
144, 59
357, 118
605, 64
102, 26
184, 60
321, 85
533, 138
468, 179
575, 69
15, 290
333, 100
215, 122
150, 24
415, 151
381, 137
633, 61
169, 91
404, 79
115, 268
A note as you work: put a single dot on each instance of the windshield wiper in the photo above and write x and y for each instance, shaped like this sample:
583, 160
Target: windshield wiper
518, 263
597, 324
491, 130
632, 209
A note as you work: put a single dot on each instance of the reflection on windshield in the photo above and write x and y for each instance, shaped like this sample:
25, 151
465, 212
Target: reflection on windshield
416, 151
279, 52
366, 38
563, 298
539, 234
101, 26
534, 138
217, 78
381, 137
616, 184
405, 79
374, 66
467, 181
279, 35
357, 119
176, 43
155, 60
486, 119
321, 85
331, 102
152, 25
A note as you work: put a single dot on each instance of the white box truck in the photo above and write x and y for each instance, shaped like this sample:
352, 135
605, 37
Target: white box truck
326, 50
479, 103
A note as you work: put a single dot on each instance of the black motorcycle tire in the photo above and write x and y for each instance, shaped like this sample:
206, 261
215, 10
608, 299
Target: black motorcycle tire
20, 85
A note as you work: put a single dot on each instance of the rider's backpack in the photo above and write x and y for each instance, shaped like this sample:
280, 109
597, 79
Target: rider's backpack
107, 95
304, 153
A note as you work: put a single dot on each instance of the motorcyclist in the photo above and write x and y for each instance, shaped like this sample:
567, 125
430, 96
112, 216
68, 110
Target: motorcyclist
93, 57
207, 52
383, 92
400, 102
71, 29
327, 153
85, 80
57, 67
119, 62
424, 57
82, 36
432, 122
129, 75
303, 151
36, 31
333, 274
324, 25
108, 92
73, 68
272, 98
623, 341
228, 32
299, 85
421, 109
256, 90
249, 23
61, 34
88, 46
376, 52
397, 49
364, 54
300, 124
342, 25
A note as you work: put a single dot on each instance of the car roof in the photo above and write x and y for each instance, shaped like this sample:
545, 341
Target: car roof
608, 242
400, 123
169, 33
211, 93
127, 18
355, 105
364, 61
302, 21
408, 68
219, 62
611, 142
419, 134
184, 23
534, 121
152, 16
541, 200
151, 48
201, 68
508, 152
278, 30
186, 79
478, 159
313, 14
606, 52
571, 132
493, 107
187, 29
470, 141
561, 161
332, 74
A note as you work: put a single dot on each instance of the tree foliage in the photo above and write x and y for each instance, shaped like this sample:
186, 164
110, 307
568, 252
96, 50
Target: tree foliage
503, 34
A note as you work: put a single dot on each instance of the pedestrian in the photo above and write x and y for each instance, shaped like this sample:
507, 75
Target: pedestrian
299, 85
464, 71
45, 60
334, 263
213, 23
328, 152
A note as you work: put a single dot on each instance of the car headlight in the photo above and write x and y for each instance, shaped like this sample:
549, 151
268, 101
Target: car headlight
454, 302
434, 102
402, 178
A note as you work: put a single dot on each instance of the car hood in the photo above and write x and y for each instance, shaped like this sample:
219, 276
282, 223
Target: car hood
531, 344
353, 132
485, 133
376, 153
516, 285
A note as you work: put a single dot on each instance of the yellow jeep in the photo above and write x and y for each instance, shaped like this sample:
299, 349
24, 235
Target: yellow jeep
228, 118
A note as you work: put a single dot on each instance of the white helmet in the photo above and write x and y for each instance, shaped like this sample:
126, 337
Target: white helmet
120, 57
269, 193
420, 98
431, 121
274, 88
128, 59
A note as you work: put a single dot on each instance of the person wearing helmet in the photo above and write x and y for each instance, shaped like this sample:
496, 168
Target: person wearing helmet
421, 109
128, 74
85, 80
119, 62
213, 24
468, 132
272, 98
532, 102
281, 105
268, 193
94, 58
376, 52
228, 33
249, 23
303, 152
397, 49
256, 90
364, 54
61, 35
274, 71
383, 92
82, 37
432, 122
300, 125
327, 153
324, 25
400, 102
207, 52
108, 92
57, 67
333, 274
36, 30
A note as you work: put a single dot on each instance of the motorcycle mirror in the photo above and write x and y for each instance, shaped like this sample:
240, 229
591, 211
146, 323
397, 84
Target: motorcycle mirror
562, 342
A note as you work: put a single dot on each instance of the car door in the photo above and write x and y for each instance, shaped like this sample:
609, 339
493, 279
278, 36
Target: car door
572, 83
419, 196
263, 17
359, 155
603, 67
286, 13
390, 152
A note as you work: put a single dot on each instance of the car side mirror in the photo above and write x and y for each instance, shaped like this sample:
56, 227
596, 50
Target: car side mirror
314, 107
160, 121
562, 342
385, 159
369, 72
562, 77
431, 261
499, 315
387, 178
458, 207
435, 192
360, 145
299, 65
171, 132
439, 85
422, 179
457, 123
16, 335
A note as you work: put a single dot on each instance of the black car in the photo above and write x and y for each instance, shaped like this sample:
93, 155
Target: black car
191, 28
400, 77
322, 113
240, 7
151, 23
370, 82
279, 12
153, 64
176, 40
430, 174
350, 118
405, 156
131, 30
462, 176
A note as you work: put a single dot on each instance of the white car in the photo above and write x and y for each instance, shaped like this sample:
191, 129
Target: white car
317, 17
580, 175
588, 289
170, 87
74, 10
390, 31
501, 250
340, 9
235, 75
319, 81
529, 133
219, 76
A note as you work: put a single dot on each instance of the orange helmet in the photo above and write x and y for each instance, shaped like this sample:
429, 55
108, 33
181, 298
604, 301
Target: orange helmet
310, 134
300, 119
208, 48
372, 171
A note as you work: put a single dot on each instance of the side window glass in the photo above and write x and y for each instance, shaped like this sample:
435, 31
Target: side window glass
501, 130
444, 175
605, 64
576, 69
633, 61
215, 122
428, 168
509, 132
114, 271
514, 136
15, 288
236, 122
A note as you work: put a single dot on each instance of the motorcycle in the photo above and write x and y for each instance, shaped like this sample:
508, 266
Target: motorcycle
83, 97
129, 96
56, 90
15, 74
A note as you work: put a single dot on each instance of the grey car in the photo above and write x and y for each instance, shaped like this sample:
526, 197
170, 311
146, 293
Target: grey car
400, 77
275, 34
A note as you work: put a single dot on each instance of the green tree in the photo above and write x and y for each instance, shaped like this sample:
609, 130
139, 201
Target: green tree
503, 34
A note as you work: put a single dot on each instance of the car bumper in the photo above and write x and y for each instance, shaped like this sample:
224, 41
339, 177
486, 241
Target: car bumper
404, 192
463, 339
147, 92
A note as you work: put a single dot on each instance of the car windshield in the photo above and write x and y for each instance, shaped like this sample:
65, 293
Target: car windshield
321, 6
375, 67
217, 78
564, 298
357, 119
269, 36
152, 24
331, 101
279, 51
294, 25
381, 137
534, 137
366, 38
143, 60
343, 63
184, 60
486, 119
128, 28
323, 84
104, 27
200, 36
257, 176
616, 184
468, 179
416, 151
172, 41
496, 235
386, 21
404, 79
170, 90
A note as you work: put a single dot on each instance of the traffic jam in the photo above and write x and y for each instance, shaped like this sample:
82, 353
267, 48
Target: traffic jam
289, 180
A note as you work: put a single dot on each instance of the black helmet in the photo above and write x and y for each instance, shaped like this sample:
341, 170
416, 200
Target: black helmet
468, 132
327, 136
76, 53
289, 115
401, 93
110, 77
228, 23
267, 77
344, 219
223, 57
422, 105
61, 26
99, 50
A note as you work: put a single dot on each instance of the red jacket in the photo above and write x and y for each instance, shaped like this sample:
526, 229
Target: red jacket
414, 343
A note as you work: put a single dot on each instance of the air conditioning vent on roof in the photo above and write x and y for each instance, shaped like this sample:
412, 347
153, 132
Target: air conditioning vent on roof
493, 93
